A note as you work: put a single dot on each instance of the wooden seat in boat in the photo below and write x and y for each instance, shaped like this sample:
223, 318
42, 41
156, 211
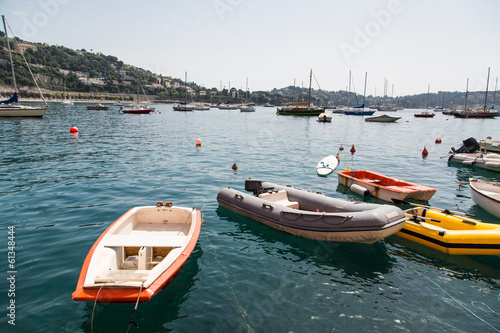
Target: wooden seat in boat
280, 197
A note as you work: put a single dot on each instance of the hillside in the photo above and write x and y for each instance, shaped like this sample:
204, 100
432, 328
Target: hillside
95, 73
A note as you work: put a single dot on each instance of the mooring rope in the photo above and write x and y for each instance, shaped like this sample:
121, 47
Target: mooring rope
242, 310
456, 300
93, 309
131, 321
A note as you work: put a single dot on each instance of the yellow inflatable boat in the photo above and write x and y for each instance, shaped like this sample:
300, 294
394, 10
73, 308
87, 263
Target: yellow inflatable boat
451, 232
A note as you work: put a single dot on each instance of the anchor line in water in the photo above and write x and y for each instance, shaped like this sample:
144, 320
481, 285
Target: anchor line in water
242, 310
454, 299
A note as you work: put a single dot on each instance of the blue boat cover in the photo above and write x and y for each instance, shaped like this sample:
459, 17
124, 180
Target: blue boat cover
13, 99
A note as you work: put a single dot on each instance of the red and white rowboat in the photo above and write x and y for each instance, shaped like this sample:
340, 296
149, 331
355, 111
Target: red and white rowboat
139, 254
386, 188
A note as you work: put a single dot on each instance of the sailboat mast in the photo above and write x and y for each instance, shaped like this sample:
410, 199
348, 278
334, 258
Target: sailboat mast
495, 93
310, 82
10, 53
427, 106
349, 93
364, 92
466, 93
486, 94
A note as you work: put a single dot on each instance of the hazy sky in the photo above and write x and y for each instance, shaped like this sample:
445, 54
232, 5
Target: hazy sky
412, 43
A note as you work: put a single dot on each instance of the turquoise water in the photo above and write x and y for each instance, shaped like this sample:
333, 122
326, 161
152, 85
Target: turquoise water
61, 191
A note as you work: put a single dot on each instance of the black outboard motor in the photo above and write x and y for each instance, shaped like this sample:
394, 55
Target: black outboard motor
253, 185
469, 146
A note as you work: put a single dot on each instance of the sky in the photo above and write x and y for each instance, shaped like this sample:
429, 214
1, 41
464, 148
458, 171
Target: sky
410, 44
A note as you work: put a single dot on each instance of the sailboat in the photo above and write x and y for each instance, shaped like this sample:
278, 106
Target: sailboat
360, 110
246, 107
480, 112
301, 109
425, 114
66, 101
137, 108
11, 106
184, 106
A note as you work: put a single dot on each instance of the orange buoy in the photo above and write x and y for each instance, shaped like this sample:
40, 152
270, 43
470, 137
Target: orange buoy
425, 152
235, 166
198, 142
438, 141
353, 150
73, 129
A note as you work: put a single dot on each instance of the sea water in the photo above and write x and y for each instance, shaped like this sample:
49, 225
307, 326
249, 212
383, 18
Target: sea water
59, 191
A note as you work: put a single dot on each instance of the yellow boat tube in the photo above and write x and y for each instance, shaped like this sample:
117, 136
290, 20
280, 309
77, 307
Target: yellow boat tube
451, 233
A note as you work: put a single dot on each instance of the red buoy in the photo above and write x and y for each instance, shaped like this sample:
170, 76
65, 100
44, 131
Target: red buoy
73, 129
198, 142
438, 141
425, 152
234, 167
353, 150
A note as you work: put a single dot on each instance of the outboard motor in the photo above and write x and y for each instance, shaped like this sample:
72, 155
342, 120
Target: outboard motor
469, 146
253, 185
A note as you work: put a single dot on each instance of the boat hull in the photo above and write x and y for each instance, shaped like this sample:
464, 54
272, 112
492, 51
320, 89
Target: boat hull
486, 195
382, 187
101, 282
484, 161
138, 111
382, 119
6, 111
319, 217
452, 234
299, 111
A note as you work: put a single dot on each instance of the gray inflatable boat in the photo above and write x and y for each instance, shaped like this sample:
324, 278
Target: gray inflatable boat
313, 215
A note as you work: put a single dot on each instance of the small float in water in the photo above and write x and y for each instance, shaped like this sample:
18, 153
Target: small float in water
313, 215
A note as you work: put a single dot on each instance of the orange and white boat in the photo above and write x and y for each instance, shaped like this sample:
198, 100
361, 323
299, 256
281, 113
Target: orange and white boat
139, 254
386, 188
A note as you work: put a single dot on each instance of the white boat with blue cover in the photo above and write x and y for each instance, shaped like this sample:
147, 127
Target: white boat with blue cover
313, 215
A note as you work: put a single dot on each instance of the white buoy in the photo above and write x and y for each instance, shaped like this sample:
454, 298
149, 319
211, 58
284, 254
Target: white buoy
360, 190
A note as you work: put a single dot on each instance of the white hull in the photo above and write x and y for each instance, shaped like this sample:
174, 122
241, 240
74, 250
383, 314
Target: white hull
22, 111
484, 161
486, 195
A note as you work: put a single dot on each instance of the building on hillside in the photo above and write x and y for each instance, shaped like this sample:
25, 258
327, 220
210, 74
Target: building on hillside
22, 47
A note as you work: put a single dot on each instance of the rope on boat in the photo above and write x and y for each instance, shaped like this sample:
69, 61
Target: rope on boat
131, 321
186, 222
93, 309
454, 299
242, 310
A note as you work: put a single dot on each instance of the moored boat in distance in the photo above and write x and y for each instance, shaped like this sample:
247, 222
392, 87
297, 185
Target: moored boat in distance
301, 108
313, 215
98, 106
325, 117
139, 254
382, 119
137, 109
486, 195
11, 107
183, 107
369, 183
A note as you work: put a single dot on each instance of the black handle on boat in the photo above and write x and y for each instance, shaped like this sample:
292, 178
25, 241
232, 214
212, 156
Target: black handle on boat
421, 217
446, 211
